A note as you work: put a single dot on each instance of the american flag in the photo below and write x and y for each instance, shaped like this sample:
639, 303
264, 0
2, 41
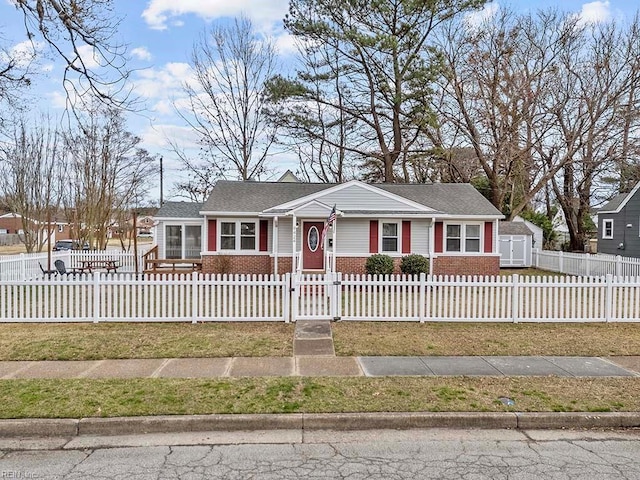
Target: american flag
330, 220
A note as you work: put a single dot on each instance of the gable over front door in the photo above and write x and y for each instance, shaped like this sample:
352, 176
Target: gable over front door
312, 254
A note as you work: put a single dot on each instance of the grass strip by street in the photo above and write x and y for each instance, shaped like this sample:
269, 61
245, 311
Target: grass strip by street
565, 339
257, 339
144, 340
112, 398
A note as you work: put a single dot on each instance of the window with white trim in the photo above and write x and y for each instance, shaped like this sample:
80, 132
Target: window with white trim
238, 235
463, 238
472, 238
183, 241
390, 237
607, 228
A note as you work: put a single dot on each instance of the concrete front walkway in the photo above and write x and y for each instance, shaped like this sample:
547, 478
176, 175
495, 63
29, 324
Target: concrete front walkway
324, 365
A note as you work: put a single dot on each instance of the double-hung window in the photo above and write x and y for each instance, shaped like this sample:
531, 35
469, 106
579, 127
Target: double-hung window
389, 237
237, 235
607, 228
463, 238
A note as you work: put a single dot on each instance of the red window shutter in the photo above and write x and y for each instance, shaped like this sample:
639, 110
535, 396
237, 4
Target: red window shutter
264, 235
373, 236
488, 237
439, 236
406, 236
212, 235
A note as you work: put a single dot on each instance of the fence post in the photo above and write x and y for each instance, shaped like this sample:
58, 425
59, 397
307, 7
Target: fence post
23, 268
293, 293
96, 297
286, 294
560, 261
618, 266
422, 295
588, 268
515, 298
608, 299
536, 255
195, 307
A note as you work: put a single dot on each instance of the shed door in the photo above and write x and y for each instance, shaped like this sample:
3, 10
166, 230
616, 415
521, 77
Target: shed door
513, 251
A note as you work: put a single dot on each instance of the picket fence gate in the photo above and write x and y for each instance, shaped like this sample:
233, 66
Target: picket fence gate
283, 298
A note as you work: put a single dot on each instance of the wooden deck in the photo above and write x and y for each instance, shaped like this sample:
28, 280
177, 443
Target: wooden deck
153, 264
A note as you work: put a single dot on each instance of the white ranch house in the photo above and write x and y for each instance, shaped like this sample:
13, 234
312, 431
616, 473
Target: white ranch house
275, 227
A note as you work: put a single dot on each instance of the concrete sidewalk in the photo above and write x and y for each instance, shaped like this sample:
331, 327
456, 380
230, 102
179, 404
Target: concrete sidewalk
325, 365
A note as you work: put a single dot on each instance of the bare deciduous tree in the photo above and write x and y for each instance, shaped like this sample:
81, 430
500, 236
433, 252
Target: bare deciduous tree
30, 179
226, 102
107, 173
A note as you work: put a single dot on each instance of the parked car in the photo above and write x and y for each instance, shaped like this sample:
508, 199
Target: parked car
70, 245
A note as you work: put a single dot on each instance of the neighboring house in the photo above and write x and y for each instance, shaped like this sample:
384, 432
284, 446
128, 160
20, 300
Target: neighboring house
515, 240
269, 227
619, 225
11, 223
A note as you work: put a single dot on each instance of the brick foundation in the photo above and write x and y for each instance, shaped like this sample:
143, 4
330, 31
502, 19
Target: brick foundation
476, 265
264, 264
237, 264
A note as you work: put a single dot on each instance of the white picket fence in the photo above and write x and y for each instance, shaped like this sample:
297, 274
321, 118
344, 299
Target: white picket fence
26, 266
199, 298
586, 264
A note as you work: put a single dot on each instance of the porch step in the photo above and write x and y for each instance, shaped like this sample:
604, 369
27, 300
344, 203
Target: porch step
313, 337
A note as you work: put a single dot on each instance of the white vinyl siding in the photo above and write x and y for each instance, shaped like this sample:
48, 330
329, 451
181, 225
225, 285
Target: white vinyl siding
359, 198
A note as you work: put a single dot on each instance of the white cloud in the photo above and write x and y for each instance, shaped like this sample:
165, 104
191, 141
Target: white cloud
88, 56
141, 53
475, 19
23, 53
595, 12
162, 83
261, 12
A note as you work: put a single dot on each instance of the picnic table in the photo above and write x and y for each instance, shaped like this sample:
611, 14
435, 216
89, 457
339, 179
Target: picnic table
91, 265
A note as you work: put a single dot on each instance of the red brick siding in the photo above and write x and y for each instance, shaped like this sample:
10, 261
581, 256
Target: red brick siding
248, 264
264, 264
466, 265
355, 265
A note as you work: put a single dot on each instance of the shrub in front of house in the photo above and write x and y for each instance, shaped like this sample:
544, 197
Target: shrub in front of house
379, 264
414, 265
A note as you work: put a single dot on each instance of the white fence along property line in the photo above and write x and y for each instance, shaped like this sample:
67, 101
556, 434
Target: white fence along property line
197, 297
24, 266
585, 264
130, 297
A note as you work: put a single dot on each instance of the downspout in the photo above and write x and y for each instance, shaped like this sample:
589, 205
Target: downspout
275, 245
294, 256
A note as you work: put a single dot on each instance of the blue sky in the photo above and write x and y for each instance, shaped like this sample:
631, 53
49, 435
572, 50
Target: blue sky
161, 33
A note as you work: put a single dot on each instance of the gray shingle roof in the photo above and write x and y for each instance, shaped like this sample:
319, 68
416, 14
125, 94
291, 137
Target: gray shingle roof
450, 198
179, 210
514, 228
614, 203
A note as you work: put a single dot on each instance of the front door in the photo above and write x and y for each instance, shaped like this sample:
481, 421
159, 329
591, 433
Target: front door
312, 254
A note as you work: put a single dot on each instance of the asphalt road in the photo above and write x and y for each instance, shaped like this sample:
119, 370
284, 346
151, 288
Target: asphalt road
428, 454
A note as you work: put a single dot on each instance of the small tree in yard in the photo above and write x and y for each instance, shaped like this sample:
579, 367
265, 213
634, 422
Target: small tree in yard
379, 264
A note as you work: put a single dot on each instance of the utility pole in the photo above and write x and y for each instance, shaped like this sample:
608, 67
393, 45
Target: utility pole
161, 181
